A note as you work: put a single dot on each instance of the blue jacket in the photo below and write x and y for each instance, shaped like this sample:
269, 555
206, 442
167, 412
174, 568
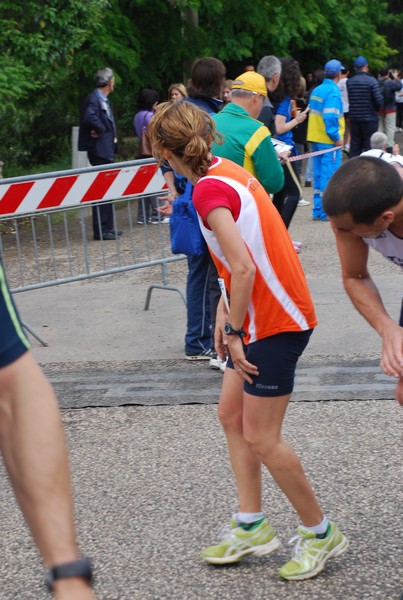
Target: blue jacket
364, 96
210, 105
96, 115
326, 117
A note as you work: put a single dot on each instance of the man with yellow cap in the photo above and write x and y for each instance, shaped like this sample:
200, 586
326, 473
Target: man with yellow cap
246, 141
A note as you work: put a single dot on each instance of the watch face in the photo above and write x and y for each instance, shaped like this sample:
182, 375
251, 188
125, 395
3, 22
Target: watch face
227, 328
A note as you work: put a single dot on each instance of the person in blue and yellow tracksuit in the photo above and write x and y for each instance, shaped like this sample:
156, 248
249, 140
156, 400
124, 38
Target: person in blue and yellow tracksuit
326, 130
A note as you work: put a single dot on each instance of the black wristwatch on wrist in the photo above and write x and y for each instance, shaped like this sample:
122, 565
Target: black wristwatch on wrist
77, 568
229, 330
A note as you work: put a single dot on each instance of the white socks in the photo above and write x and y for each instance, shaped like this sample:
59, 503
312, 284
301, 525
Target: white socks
248, 518
319, 529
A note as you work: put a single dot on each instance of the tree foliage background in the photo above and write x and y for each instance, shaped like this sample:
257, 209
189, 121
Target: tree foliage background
50, 50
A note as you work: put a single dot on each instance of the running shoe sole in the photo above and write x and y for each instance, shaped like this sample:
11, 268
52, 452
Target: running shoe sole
255, 550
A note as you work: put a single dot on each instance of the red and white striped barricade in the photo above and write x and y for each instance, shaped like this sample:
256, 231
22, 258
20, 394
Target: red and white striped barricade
65, 189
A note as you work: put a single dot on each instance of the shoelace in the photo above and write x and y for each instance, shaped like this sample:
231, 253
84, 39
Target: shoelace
225, 533
299, 544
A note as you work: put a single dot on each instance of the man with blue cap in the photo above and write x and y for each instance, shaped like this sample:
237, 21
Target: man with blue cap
326, 131
365, 100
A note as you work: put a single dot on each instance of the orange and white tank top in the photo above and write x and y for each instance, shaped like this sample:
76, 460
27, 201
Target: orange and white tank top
280, 300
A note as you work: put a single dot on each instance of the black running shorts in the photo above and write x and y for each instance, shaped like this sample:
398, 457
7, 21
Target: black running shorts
13, 341
276, 358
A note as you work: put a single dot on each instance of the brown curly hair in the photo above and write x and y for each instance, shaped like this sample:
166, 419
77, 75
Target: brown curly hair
290, 79
186, 131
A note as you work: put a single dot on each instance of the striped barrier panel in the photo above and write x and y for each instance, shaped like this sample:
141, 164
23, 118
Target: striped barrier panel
64, 189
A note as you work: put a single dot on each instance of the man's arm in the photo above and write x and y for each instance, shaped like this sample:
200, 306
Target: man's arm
395, 85
169, 177
267, 166
376, 95
353, 253
267, 118
166, 209
332, 126
91, 116
332, 111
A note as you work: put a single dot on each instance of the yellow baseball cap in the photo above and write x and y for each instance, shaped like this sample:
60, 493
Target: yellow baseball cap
251, 82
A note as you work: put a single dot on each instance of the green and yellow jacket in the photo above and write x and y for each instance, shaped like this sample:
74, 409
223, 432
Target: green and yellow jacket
247, 142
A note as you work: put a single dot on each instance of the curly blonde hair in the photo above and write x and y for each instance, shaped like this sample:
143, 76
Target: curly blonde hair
186, 131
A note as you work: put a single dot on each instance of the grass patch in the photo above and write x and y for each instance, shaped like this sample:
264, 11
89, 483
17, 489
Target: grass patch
59, 164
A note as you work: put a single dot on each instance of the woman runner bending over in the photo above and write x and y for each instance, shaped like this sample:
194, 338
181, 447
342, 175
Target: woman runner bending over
265, 329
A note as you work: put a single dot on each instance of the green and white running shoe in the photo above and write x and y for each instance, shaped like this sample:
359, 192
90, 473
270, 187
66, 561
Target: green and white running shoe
237, 543
311, 553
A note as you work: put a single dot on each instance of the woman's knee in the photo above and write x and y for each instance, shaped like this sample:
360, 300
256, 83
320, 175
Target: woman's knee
231, 420
261, 443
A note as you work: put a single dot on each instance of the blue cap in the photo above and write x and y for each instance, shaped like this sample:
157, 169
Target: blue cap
360, 62
333, 67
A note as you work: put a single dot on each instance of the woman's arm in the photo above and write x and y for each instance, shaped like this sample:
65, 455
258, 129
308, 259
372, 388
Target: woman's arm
242, 279
282, 126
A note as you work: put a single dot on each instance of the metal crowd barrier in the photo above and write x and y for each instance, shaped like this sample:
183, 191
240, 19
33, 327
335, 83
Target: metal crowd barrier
46, 235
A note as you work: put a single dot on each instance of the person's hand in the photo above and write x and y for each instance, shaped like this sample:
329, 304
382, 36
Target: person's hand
94, 134
244, 369
166, 209
284, 156
339, 143
169, 198
300, 118
392, 350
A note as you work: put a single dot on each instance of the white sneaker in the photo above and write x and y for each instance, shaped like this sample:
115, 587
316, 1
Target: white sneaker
158, 220
297, 246
204, 355
303, 202
215, 361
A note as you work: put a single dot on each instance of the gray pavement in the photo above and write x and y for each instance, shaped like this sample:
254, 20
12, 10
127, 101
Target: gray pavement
151, 476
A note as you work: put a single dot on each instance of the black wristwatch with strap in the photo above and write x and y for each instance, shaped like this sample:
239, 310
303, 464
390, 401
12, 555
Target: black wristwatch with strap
77, 568
229, 330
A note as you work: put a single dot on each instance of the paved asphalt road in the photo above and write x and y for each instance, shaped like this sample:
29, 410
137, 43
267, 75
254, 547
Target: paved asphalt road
153, 486
151, 476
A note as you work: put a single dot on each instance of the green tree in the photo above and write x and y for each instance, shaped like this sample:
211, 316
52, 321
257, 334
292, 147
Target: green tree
38, 42
50, 50
392, 28
310, 30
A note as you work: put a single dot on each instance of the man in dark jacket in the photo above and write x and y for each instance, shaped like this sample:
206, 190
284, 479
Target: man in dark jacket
387, 115
365, 101
97, 135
